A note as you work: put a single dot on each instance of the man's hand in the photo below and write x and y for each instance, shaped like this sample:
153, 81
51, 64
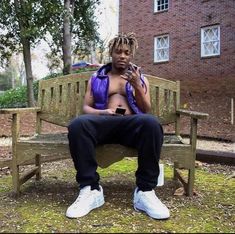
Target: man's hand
141, 93
132, 76
107, 112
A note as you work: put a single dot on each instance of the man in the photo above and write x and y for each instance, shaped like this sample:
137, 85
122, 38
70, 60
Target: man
117, 85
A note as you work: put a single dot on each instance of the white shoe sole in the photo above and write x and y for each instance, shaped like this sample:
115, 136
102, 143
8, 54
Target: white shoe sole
154, 216
98, 204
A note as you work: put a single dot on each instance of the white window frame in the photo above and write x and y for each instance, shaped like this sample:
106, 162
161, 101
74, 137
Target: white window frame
161, 49
161, 4
210, 43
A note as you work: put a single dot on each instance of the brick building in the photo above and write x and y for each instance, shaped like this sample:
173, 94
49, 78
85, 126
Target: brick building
171, 33
190, 41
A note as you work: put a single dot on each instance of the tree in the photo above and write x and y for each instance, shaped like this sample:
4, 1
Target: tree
74, 29
22, 24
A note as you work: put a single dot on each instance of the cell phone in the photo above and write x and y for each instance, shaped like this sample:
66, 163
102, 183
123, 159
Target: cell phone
120, 111
131, 66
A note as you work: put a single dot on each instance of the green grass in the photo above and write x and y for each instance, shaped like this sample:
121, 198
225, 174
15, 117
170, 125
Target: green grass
41, 206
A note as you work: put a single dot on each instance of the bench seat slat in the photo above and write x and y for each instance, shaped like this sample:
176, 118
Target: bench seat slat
61, 138
52, 146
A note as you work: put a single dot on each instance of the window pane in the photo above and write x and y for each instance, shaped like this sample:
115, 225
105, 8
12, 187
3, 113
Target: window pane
161, 5
210, 41
161, 48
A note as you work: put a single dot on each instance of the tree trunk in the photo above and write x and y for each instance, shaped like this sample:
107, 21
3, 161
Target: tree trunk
19, 7
29, 73
66, 47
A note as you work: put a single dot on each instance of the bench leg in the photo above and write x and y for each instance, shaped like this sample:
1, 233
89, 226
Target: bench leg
176, 165
188, 183
15, 129
16, 179
191, 178
38, 164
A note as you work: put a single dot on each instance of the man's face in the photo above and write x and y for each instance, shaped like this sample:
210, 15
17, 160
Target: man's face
121, 57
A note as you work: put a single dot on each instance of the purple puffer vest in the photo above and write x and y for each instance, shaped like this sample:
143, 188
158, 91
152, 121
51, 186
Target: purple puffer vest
100, 86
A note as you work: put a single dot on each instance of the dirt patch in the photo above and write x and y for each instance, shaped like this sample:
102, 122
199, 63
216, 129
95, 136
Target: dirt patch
212, 96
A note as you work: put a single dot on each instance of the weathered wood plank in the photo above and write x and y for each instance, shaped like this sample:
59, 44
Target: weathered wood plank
162, 83
193, 114
49, 145
19, 110
28, 175
15, 131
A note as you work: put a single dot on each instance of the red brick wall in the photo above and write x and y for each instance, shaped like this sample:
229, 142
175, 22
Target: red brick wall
207, 84
183, 22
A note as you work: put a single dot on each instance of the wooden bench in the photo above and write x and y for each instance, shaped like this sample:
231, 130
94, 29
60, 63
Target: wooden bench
60, 100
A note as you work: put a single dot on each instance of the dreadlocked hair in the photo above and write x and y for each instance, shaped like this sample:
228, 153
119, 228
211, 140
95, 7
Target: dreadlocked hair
121, 39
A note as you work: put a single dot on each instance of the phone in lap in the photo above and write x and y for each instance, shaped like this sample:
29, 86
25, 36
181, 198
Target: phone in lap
120, 111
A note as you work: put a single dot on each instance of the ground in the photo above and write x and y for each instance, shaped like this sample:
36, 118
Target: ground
41, 206
212, 96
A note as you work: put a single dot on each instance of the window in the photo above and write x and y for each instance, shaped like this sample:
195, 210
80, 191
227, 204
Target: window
161, 48
210, 41
161, 5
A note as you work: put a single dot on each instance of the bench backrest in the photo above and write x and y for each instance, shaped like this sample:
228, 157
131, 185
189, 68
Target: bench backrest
61, 98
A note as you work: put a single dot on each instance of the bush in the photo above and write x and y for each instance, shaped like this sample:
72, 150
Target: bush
16, 98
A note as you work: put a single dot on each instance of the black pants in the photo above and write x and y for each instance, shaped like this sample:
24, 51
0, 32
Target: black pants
142, 131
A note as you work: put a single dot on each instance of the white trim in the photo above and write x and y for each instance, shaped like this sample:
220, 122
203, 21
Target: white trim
161, 54
156, 5
211, 43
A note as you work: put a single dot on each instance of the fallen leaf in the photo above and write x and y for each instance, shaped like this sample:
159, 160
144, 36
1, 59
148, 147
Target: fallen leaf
179, 191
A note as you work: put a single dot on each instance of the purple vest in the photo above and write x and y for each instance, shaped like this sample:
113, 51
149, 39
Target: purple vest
100, 86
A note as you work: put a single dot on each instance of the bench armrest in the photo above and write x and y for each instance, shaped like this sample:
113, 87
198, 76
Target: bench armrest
193, 114
19, 110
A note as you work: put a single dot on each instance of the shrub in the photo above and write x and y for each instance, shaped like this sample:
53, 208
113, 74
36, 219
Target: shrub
13, 98
16, 98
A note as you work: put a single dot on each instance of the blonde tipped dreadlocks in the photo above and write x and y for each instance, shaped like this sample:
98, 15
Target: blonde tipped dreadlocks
124, 39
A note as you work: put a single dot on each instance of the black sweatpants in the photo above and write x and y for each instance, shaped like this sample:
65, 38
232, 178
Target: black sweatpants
141, 131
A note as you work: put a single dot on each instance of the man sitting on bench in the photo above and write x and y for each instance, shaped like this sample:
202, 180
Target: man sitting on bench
116, 106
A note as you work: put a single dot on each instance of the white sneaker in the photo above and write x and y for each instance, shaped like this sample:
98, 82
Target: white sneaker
86, 201
149, 203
